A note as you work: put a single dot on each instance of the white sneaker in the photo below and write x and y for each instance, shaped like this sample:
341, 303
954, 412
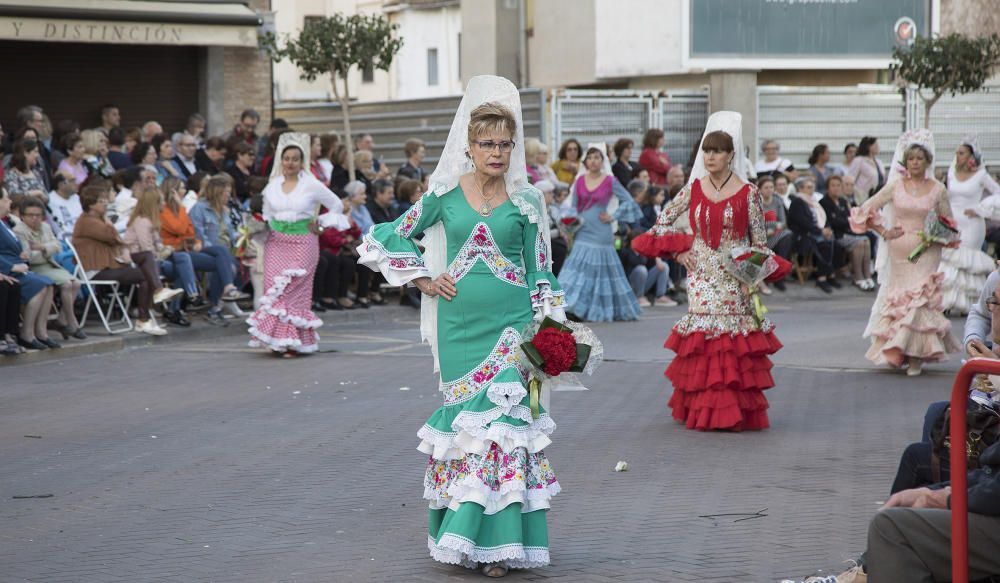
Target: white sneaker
643, 302
665, 302
149, 327
233, 310
915, 367
165, 294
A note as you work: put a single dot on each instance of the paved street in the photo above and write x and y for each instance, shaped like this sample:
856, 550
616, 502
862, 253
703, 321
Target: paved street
211, 462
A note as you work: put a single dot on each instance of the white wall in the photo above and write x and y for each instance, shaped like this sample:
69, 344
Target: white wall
422, 30
638, 38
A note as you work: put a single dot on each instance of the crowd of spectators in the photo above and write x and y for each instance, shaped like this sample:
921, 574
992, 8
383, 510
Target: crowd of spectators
173, 218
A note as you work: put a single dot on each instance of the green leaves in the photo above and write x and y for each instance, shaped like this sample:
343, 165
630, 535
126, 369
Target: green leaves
336, 43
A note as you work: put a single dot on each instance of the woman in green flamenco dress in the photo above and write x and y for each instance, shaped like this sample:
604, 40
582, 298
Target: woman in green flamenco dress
485, 274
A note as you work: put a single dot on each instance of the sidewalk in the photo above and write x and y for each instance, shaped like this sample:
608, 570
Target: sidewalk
100, 342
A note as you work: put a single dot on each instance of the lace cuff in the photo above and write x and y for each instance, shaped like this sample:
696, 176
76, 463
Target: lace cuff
398, 267
547, 298
862, 221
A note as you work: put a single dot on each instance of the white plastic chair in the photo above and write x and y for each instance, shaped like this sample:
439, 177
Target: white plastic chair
122, 324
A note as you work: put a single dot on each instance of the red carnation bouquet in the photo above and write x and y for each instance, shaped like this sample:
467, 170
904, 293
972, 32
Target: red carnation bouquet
938, 229
751, 267
553, 348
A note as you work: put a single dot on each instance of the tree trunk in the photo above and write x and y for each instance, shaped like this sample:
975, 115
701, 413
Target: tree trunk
345, 111
928, 104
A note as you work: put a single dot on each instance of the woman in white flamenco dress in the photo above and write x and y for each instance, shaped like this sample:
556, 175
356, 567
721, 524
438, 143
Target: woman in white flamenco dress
966, 268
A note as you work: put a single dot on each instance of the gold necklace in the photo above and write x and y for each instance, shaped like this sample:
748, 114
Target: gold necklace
486, 209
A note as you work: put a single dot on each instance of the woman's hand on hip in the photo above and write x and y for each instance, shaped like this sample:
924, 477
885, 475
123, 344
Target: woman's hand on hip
444, 285
686, 260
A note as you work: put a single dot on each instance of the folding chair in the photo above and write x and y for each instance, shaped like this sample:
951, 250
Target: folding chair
123, 324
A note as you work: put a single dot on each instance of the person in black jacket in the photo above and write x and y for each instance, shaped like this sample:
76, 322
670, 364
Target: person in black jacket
623, 168
857, 247
811, 238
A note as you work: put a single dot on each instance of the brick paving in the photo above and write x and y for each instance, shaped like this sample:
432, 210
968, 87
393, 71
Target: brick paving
208, 462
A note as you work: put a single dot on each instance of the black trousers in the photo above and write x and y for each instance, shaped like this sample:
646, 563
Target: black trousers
334, 275
10, 308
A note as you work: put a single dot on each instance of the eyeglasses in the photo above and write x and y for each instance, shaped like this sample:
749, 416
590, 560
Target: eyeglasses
490, 146
992, 303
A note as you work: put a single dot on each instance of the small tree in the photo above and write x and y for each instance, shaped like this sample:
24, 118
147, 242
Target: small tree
334, 45
952, 64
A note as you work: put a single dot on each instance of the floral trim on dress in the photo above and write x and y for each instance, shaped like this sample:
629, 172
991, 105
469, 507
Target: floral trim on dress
502, 357
396, 260
410, 219
541, 253
544, 291
481, 245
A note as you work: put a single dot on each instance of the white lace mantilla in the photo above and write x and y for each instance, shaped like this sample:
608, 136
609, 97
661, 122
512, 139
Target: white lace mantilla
481, 246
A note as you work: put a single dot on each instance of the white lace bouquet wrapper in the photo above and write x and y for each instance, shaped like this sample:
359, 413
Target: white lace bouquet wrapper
938, 230
586, 354
750, 266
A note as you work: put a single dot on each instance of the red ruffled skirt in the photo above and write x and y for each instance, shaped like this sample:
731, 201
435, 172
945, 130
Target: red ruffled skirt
719, 382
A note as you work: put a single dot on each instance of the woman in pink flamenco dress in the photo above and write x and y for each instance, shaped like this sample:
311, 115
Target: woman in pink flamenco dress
907, 325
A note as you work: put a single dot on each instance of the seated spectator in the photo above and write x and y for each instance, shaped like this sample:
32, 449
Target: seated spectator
804, 219
327, 148
43, 247
212, 157
414, 150
95, 154
194, 186
72, 164
144, 154
772, 164
364, 171
143, 238
539, 164
357, 199
195, 129
277, 127
858, 248
245, 130
407, 194
10, 315
121, 207
315, 153
185, 158
382, 207
338, 173
209, 214
653, 159
23, 176
779, 238
257, 230
568, 163
783, 190
104, 255
558, 240
640, 193
63, 130
27, 133
165, 154
150, 129
646, 276
64, 204
241, 170
623, 168
266, 161
675, 179
336, 270
36, 290
819, 168
133, 137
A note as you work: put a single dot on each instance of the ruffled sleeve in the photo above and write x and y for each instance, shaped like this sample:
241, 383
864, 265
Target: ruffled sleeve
628, 210
389, 247
665, 239
547, 296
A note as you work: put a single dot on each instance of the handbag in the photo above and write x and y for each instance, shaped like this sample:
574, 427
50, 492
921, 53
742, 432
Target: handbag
982, 429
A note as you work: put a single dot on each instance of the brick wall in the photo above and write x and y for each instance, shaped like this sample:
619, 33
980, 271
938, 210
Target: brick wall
247, 78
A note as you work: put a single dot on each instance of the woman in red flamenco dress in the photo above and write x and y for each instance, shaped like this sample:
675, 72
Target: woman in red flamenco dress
722, 365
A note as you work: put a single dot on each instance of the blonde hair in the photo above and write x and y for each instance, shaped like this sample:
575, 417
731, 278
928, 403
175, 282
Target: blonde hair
91, 141
214, 192
364, 155
148, 206
491, 117
532, 146
167, 188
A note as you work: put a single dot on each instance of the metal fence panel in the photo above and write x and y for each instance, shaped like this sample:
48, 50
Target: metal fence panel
590, 117
683, 116
953, 118
801, 117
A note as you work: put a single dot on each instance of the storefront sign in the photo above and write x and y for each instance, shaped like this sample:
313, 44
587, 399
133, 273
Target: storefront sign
149, 33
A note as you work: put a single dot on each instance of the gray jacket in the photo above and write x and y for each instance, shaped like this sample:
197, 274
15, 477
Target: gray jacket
977, 325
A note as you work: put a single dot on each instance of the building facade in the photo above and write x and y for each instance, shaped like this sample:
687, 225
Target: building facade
155, 60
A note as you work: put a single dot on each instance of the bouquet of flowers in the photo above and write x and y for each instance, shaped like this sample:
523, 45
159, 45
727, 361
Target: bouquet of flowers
938, 229
553, 348
750, 268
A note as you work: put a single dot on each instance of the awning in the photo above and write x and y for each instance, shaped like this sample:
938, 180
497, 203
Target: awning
129, 22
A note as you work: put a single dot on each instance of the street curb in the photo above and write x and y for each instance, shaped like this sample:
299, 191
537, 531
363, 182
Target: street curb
99, 342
